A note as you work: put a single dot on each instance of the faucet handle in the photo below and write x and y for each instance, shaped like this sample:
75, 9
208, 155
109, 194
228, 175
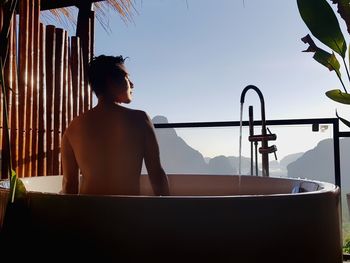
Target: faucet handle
268, 129
270, 149
267, 137
274, 152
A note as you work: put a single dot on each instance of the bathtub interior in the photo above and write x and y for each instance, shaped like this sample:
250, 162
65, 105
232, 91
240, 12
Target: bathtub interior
200, 185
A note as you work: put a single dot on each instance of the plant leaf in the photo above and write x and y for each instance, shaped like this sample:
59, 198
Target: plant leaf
346, 122
338, 96
17, 188
321, 56
344, 11
319, 17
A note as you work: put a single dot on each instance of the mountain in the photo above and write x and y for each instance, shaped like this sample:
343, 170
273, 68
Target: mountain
318, 164
245, 165
176, 155
221, 165
315, 164
290, 159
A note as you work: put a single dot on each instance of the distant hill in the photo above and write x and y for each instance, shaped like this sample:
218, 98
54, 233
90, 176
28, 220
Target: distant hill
176, 155
221, 165
245, 166
316, 164
290, 159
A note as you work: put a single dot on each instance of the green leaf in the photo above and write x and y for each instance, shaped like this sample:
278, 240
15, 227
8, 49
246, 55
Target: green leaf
17, 188
338, 96
346, 122
323, 57
319, 17
344, 11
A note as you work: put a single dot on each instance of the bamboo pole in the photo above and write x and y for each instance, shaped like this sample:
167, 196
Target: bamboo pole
10, 83
14, 97
29, 97
65, 85
92, 49
35, 108
42, 154
50, 86
84, 26
82, 81
86, 60
3, 175
75, 69
59, 58
70, 84
4, 144
23, 79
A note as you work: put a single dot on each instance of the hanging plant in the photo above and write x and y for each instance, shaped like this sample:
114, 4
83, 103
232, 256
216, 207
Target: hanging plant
323, 24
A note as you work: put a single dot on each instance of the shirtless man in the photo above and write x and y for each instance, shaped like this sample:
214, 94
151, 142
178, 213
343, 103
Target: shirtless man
109, 142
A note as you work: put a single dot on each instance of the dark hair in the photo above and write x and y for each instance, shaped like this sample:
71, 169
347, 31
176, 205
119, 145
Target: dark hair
102, 68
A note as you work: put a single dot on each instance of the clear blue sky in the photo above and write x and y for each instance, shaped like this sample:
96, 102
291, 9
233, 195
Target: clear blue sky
190, 62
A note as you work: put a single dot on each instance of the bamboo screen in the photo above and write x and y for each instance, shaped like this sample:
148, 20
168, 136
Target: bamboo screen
46, 88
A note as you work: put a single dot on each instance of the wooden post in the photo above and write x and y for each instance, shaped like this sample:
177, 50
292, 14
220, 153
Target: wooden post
84, 31
50, 86
3, 167
14, 97
59, 58
82, 81
29, 97
10, 83
92, 49
35, 109
23, 79
75, 68
70, 84
42, 135
65, 85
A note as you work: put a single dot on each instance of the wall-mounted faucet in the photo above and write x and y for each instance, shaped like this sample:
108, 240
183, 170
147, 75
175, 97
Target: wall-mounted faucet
265, 149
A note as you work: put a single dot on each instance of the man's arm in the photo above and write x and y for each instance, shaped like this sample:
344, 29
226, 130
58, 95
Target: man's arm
70, 183
156, 174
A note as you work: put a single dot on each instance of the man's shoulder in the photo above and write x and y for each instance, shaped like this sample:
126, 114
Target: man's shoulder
138, 113
78, 121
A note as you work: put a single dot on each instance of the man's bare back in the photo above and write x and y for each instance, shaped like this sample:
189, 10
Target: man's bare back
108, 144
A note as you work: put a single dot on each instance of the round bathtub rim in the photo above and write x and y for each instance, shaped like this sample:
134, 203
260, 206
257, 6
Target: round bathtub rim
326, 188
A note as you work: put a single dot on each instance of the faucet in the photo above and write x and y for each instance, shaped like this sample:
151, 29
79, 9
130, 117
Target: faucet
265, 149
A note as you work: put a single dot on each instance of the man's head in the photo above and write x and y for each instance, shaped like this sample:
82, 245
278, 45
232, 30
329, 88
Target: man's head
109, 79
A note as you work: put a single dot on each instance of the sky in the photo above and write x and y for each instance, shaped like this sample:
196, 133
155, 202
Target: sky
190, 60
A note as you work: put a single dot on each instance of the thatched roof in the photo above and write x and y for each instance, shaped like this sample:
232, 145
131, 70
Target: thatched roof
62, 8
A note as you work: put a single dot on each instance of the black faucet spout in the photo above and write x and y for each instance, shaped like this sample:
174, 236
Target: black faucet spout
262, 103
264, 138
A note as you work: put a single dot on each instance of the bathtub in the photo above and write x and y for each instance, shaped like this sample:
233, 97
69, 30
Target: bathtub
207, 218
